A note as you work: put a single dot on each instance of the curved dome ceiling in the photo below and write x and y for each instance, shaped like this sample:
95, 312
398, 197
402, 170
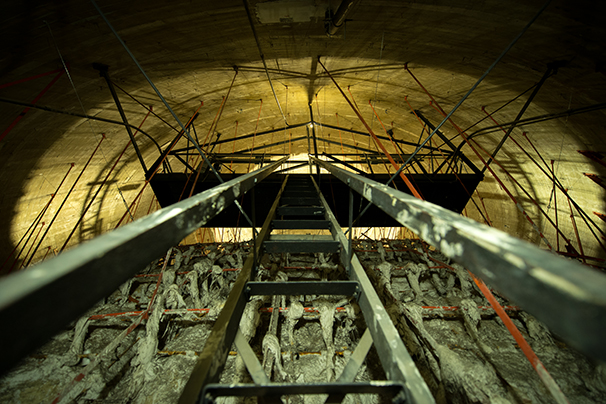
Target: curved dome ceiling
192, 50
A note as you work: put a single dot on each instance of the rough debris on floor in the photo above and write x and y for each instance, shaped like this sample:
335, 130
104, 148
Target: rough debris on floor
141, 343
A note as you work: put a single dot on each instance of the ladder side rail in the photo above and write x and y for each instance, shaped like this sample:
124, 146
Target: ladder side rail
395, 358
211, 361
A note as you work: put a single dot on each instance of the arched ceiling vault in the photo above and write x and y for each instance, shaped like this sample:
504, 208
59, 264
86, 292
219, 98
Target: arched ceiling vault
191, 51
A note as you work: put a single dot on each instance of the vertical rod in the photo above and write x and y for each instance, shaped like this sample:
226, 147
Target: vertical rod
576, 232
254, 232
234, 146
552, 177
350, 250
340, 137
555, 201
65, 199
313, 135
309, 146
104, 72
558, 232
584, 215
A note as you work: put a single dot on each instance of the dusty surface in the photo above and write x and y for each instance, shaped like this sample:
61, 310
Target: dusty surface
146, 353
461, 347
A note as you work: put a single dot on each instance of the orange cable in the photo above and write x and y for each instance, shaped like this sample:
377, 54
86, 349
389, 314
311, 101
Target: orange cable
212, 125
532, 358
156, 170
404, 177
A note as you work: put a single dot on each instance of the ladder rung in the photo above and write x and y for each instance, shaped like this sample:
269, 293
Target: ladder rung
299, 201
278, 247
301, 224
340, 288
383, 388
294, 192
301, 243
300, 211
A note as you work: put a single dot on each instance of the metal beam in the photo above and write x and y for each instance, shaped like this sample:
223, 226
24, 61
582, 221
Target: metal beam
267, 132
362, 149
250, 359
292, 167
567, 296
382, 388
54, 293
345, 163
357, 132
265, 146
457, 153
76, 114
293, 288
104, 72
535, 119
353, 365
552, 68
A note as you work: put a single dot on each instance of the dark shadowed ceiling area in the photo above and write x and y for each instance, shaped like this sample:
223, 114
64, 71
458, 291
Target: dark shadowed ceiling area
192, 51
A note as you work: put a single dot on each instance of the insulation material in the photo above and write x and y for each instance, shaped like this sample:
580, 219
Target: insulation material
464, 353
467, 355
72, 357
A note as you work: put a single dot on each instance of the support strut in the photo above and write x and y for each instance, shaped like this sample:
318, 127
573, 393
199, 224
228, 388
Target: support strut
404, 177
104, 72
